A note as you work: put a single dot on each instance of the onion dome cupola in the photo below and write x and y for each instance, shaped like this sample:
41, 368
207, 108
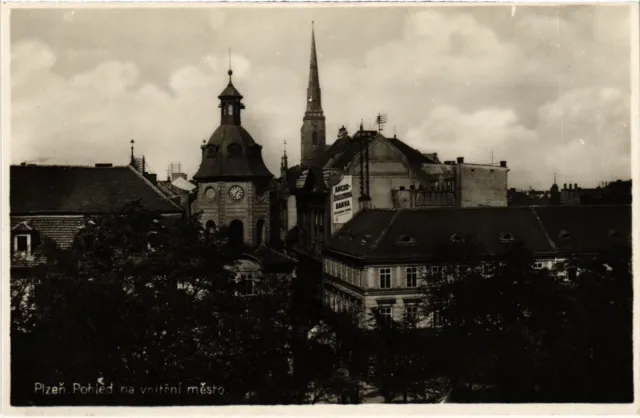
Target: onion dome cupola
231, 152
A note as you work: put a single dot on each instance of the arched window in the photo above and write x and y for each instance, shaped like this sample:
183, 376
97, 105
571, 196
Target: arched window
230, 110
210, 226
236, 232
234, 151
314, 138
260, 231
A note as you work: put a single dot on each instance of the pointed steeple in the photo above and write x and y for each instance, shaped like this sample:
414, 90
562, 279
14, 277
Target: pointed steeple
314, 99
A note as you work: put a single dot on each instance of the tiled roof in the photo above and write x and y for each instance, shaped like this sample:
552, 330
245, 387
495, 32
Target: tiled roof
586, 228
380, 234
272, 260
52, 190
61, 229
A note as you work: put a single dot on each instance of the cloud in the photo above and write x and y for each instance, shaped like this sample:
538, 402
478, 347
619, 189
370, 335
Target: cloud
82, 119
546, 89
583, 136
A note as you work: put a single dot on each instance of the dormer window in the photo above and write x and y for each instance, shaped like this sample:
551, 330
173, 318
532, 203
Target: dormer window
457, 238
406, 240
234, 151
564, 235
506, 237
22, 243
211, 152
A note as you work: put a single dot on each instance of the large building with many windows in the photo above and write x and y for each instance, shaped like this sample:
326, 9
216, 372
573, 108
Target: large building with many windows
379, 258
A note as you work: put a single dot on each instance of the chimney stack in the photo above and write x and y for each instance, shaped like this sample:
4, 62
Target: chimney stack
564, 186
503, 163
460, 160
575, 186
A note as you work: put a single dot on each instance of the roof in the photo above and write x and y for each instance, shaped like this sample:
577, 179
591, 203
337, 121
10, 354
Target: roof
223, 162
382, 234
41, 189
586, 228
272, 260
61, 229
183, 184
342, 152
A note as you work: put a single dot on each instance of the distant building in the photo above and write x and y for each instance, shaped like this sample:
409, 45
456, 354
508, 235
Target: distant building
613, 193
366, 170
53, 202
379, 258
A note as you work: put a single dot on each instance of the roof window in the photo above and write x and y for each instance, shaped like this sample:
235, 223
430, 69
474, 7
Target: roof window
457, 238
234, 151
406, 240
613, 233
564, 235
506, 237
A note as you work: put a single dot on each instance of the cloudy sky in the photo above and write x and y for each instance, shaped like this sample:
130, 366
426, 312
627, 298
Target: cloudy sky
546, 88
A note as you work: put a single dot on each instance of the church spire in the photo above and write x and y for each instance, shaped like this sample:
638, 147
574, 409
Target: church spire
314, 100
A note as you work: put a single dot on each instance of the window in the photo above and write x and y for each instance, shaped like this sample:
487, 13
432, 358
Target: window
457, 238
247, 285
385, 278
411, 274
411, 310
234, 151
386, 312
538, 265
435, 320
230, 110
22, 243
314, 138
506, 237
326, 265
435, 269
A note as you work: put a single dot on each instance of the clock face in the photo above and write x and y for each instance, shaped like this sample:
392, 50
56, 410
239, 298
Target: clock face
236, 192
210, 194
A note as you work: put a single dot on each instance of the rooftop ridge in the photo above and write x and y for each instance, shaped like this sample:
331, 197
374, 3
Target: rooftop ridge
155, 188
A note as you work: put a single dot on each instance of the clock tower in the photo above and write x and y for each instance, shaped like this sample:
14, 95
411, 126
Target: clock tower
233, 183
313, 137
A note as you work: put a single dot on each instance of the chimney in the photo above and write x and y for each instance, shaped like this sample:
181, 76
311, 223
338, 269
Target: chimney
570, 186
503, 163
460, 160
401, 187
564, 186
575, 186
153, 178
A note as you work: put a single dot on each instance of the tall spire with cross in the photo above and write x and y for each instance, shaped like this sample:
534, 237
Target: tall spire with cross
313, 136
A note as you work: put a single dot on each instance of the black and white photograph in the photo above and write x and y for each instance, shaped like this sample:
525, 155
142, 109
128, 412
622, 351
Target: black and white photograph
318, 205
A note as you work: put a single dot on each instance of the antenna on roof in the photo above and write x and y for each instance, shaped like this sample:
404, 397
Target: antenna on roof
132, 157
381, 119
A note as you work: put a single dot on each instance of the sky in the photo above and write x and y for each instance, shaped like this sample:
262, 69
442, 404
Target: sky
545, 88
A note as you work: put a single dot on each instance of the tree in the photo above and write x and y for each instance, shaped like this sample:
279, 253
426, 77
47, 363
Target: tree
147, 303
520, 334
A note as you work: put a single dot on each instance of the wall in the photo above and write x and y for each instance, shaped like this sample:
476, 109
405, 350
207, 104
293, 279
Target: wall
388, 169
223, 210
482, 185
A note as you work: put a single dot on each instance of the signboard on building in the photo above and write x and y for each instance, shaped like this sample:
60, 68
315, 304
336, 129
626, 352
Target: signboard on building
342, 201
301, 180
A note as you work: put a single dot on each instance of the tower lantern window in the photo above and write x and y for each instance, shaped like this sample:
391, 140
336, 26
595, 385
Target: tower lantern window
230, 109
